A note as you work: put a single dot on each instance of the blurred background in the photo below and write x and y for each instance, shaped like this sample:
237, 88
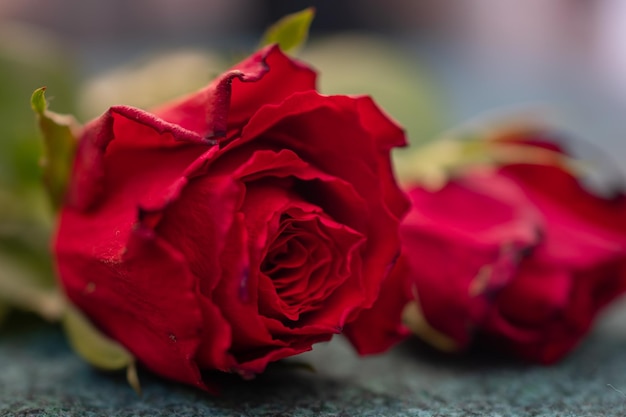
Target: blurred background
432, 64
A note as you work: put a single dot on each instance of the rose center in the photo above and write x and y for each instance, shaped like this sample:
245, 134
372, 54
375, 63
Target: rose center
308, 258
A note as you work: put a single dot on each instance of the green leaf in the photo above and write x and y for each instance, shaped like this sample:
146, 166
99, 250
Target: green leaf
290, 32
96, 348
59, 142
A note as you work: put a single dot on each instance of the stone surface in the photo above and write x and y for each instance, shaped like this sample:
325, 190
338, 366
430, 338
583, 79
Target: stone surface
40, 376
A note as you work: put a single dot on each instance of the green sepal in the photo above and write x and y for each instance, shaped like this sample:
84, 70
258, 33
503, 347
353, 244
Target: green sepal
96, 348
59, 140
38, 100
290, 32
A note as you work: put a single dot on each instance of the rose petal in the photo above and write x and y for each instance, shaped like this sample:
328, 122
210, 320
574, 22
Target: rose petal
97, 282
549, 186
335, 196
266, 77
386, 134
124, 128
250, 334
379, 328
537, 295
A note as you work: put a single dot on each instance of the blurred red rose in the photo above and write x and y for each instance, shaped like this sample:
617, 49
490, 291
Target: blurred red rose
520, 259
461, 245
579, 267
234, 227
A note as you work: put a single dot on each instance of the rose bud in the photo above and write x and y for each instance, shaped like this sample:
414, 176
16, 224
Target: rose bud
518, 259
234, 227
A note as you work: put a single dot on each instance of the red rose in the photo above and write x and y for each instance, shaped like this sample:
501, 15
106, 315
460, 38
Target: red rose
235, 227
519, 259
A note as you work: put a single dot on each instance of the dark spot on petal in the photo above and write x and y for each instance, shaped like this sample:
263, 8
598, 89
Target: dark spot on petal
392, 263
